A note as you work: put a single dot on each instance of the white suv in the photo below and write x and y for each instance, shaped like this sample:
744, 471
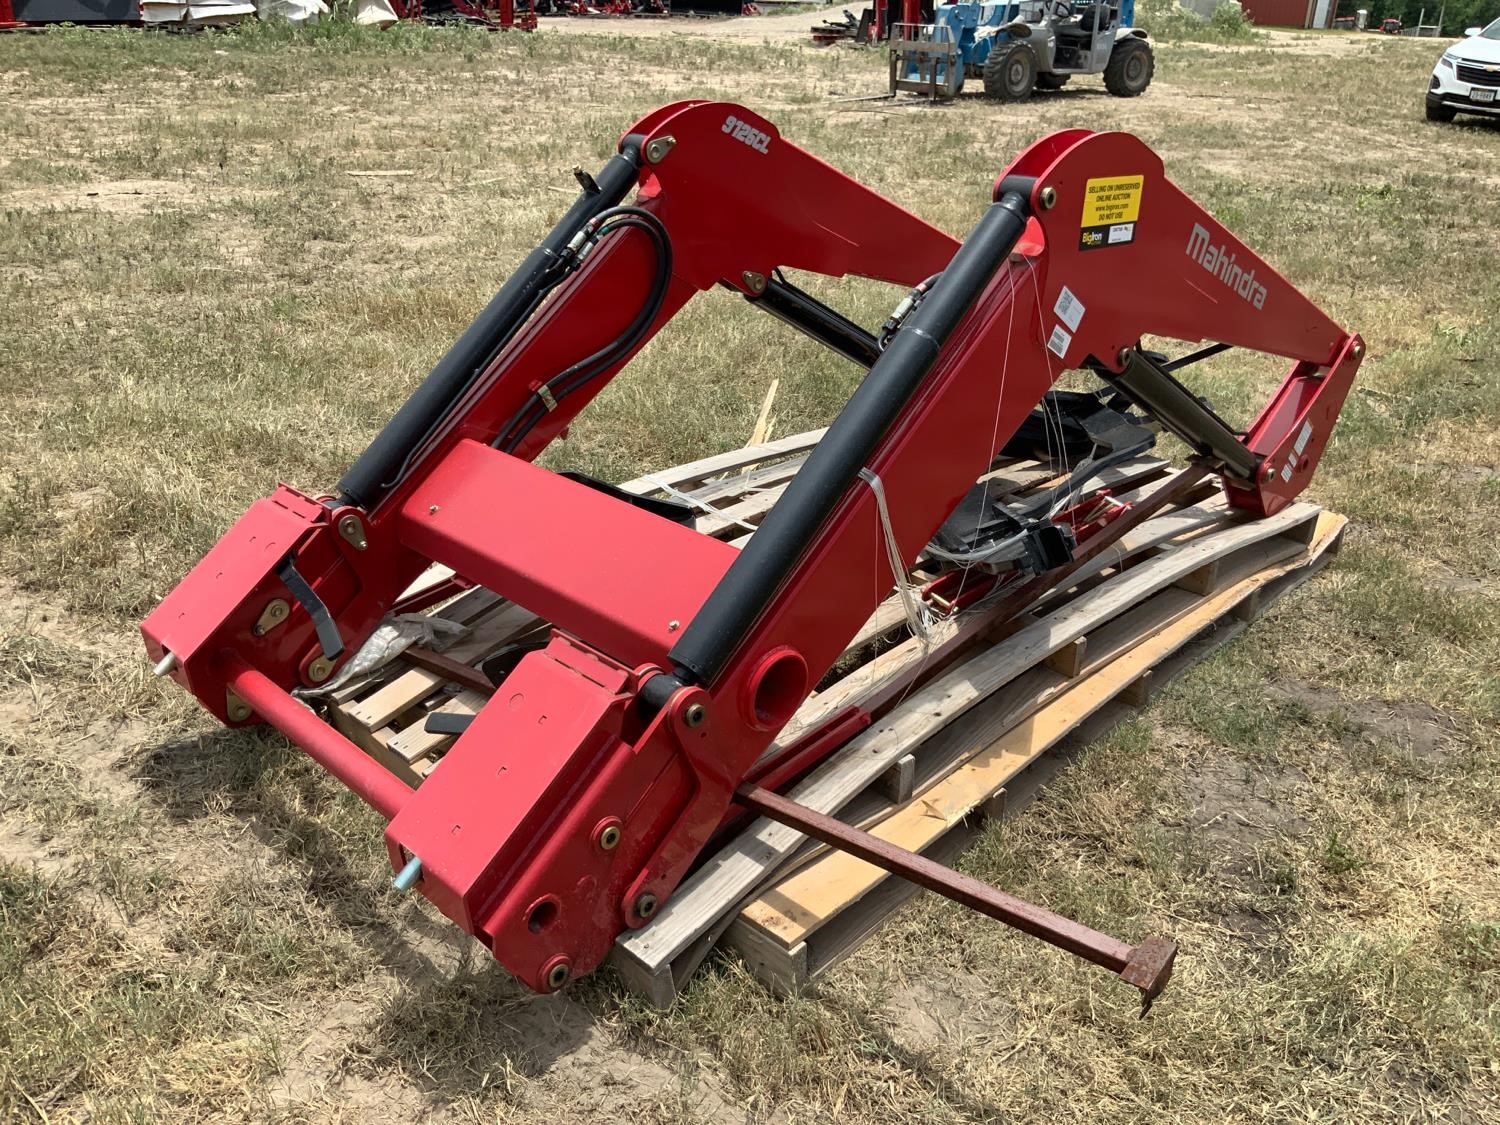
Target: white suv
1467, 77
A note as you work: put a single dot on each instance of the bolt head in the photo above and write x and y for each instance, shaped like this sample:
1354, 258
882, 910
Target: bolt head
645, 906
673, 626
1048, 198
320, 669
557, 976
694, 714
432, 509
609, 837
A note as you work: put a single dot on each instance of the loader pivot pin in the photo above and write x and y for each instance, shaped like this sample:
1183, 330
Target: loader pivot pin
408, 876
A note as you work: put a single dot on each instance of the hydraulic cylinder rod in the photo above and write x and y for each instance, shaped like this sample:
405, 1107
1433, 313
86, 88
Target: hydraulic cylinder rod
379, 467
751, 582
1180, 411
807, 314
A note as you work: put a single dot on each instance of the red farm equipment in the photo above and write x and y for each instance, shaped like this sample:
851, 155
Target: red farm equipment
611, 751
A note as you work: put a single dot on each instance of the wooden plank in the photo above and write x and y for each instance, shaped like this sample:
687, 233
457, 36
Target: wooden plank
724, 878
374, 744
681, 476
825, 947
410, 688
1200, 581
895, 784
415, 742
1137, 693
1068, 660
763, 421
819, 891
783, 970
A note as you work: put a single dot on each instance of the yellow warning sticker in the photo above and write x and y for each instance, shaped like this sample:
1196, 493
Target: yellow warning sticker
1111, 206
1112, 199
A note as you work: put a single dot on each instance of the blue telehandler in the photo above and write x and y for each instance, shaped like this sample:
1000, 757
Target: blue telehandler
1016, 48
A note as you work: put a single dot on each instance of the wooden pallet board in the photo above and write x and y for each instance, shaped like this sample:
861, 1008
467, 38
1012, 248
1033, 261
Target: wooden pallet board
966, 703
795, 931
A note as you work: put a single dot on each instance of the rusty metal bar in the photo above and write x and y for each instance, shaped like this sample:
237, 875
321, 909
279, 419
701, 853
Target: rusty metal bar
1148, 965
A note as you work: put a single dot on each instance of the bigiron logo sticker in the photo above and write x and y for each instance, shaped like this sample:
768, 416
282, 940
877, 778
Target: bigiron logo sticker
1221, 263
1111, 208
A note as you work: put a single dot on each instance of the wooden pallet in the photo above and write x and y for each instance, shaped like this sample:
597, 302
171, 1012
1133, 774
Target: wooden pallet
936, 720
793, 932
1170, 579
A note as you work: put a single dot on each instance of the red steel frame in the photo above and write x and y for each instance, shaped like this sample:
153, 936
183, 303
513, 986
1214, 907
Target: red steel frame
510, 828
501, 12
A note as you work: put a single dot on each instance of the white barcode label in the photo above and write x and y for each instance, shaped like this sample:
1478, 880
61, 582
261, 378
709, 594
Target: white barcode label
1059, 342
1069, 309
1303, 437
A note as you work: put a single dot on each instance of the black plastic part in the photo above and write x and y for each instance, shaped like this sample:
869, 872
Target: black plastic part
1075, 424
666, 509
792, 525
380, 466
328, 632
503, 662
1052, 547
1021, 185
443, 722
809, 315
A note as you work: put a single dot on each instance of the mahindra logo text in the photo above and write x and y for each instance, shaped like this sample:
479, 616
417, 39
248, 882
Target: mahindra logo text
1217, 261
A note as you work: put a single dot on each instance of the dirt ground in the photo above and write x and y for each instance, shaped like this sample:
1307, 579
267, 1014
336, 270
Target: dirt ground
226, 259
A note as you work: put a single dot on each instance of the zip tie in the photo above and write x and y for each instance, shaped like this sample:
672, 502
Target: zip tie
917, 617
692, 501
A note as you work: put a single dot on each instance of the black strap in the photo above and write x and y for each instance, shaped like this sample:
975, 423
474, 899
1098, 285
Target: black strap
307, 598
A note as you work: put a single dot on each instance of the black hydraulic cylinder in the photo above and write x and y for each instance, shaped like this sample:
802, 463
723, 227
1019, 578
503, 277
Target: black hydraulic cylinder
1154, 389
379, 466
768, 559
807, 314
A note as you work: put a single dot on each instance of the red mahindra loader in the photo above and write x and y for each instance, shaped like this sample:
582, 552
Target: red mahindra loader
577, 799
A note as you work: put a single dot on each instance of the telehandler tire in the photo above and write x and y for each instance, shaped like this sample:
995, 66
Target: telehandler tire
1010, 72
1130, 67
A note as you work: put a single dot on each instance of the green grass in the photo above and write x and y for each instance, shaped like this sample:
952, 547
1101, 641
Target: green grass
197, 300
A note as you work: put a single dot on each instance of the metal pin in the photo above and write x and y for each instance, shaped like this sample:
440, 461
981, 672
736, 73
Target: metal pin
166, 665
408, 876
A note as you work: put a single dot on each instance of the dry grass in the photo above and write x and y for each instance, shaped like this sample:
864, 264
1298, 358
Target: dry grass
197, 300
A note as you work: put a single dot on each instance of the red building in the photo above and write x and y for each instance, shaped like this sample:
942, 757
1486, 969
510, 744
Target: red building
1289, 13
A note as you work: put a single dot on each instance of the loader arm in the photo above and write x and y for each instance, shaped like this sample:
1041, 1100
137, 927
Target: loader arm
578, 798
